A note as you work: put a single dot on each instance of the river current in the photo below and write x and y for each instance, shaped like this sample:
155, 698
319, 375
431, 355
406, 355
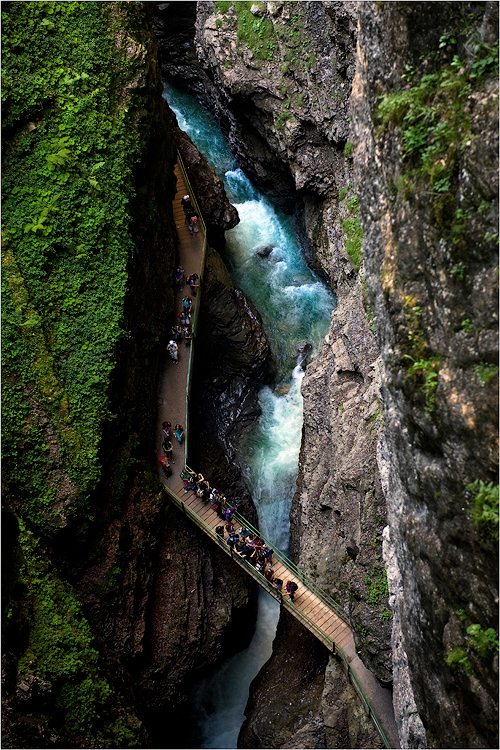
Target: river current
295, 307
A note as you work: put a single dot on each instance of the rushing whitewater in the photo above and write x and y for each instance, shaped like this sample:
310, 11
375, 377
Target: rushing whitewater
295, 307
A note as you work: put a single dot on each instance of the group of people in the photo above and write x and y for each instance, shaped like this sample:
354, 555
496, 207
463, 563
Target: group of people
182, 331
244, 543
191, 219
168, 434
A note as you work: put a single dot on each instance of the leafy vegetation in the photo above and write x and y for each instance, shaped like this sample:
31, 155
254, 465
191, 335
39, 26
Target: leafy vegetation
70, 145
434, 124
62, 655
71, 139
379, 588
486, 372
484, 505
354, 234
481, 642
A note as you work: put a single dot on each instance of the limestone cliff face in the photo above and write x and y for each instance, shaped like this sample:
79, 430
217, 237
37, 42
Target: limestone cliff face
431, 261
416, 424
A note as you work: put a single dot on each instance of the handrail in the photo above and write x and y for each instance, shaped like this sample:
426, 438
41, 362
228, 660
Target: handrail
361, 694
298, 572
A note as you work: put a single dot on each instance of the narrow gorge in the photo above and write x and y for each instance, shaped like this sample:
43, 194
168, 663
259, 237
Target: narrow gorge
369, 131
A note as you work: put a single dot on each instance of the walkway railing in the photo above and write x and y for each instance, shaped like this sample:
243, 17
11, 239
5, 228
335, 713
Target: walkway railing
222, 543
194, 327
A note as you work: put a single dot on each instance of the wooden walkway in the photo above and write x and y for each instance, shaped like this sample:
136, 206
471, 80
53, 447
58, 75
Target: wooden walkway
310, 607
317, 616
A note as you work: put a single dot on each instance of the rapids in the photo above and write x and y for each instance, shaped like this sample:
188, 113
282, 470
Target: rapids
295, 307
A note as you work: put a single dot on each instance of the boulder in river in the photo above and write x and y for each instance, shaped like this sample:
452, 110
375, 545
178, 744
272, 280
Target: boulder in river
263, 252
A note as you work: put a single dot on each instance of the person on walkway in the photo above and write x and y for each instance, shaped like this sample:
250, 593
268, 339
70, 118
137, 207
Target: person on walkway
165, 430
187, 305
191, 280
187, 475
179, 433
179, 276
277, 583
229, 527
167, 449
229, 514
173, 350
186, 204
269, 574
260, 563
203, 489
177, 333
187, 335
220, 531
268, 554
232, 540
291, 588
192, 223
243, 532
184, 319
165, 465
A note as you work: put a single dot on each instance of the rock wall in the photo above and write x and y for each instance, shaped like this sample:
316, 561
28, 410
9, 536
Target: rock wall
432, 284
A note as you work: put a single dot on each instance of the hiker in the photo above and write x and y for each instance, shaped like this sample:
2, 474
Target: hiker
191, 280
229, 514
243, 532
229, 527
268, 554
165, 430
179, 433
173, 350
179, 276
167, 449
220, 531
165, 465
187, 305
186, 204
291, 588
260, 563
192, 223
187, 475
269, 574
187, 335
176, 333
232, 540
203, 489
277, 583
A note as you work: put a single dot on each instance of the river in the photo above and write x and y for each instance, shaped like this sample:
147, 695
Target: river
295, 307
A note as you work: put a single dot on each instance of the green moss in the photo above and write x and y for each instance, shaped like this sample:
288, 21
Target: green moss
434, 125
67, 184
354, 241
223, 6
348, 149
62, 654
256, 33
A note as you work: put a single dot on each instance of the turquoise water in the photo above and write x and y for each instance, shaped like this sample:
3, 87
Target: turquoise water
295, 307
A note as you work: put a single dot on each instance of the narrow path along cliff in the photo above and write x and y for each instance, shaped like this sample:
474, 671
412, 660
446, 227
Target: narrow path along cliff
173, 407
